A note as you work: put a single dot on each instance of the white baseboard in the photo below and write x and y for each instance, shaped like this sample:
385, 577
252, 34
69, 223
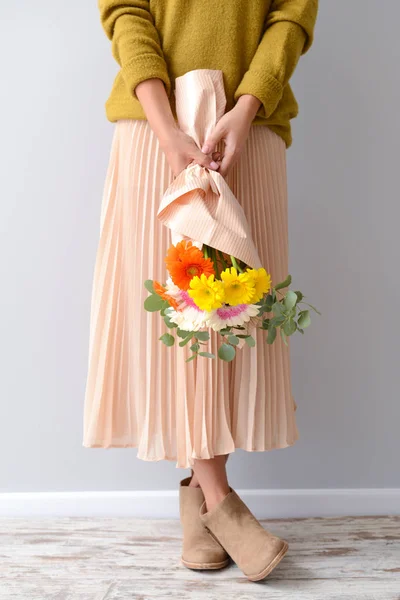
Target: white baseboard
265, 504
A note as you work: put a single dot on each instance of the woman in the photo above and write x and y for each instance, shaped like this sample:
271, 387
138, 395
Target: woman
139, 393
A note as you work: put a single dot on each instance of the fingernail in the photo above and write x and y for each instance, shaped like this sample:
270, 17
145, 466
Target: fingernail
205, 149
214, 165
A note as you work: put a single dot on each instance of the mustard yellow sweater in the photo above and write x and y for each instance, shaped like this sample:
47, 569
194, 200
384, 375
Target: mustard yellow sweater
256, 44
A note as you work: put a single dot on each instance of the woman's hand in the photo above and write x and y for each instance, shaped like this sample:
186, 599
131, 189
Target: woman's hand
181, 150
233, 128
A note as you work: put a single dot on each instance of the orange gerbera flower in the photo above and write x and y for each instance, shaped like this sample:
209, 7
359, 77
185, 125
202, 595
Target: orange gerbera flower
182, 248
184, 261
161, 291
172, 302
158, 288
176, 251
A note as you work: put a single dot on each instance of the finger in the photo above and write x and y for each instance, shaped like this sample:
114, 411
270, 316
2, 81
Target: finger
212, 140
228, 160
206, 161
217, 156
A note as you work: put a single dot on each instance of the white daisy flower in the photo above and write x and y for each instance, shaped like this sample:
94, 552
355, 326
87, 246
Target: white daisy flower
231, 315
187, 319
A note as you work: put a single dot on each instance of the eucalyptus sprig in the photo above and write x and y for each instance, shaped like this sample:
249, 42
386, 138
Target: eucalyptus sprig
287, 316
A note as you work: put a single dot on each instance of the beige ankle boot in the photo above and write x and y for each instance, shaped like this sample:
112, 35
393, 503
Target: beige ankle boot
254, 550
200, 549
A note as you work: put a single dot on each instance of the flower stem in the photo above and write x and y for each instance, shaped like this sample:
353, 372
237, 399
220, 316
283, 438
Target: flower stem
205, 250
214, 259
234, 263
222, 259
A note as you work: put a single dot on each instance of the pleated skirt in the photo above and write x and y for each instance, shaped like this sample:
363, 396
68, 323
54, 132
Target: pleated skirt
142, 394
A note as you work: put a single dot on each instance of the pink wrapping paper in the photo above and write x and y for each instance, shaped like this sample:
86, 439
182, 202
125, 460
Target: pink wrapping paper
199, 205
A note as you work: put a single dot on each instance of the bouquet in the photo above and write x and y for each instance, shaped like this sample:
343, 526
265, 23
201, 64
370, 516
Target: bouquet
207, 288
215, 276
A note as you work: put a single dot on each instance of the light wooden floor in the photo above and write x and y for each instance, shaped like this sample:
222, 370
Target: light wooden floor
114, 559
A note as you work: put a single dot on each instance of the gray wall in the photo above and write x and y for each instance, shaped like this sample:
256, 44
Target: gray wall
344, 209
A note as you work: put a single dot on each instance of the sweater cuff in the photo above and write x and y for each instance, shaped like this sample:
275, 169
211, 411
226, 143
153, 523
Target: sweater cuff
264, 87
145, 67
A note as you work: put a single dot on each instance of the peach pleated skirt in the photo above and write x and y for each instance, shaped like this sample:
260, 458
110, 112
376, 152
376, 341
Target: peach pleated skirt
142, 394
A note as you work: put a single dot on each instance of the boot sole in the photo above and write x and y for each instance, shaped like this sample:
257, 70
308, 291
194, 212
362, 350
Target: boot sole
265, 572
205, 566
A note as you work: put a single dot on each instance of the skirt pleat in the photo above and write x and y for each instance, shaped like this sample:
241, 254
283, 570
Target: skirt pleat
140, 393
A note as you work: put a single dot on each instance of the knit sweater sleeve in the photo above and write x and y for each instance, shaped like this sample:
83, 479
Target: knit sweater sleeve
288, 33
135, 41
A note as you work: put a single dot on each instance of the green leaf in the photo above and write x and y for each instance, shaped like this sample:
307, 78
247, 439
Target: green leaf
183, 334
289, 327
278, 309
265, 323
203, 336
148, 284
284, 283
169, 323
269, 300
164, 307
191, 358
225, 330
195, 347
207, 354
186, 340
283, 336
304, 319
275, 321
299, 296
290, 299
271, 335
167, 339
153, 303
233, 339
226, 352
250, 341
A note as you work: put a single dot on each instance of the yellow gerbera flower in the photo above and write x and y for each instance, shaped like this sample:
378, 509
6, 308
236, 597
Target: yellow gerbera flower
262, 283
205, 292
238, 288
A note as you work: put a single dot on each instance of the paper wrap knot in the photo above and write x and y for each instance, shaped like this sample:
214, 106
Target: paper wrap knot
199, 205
